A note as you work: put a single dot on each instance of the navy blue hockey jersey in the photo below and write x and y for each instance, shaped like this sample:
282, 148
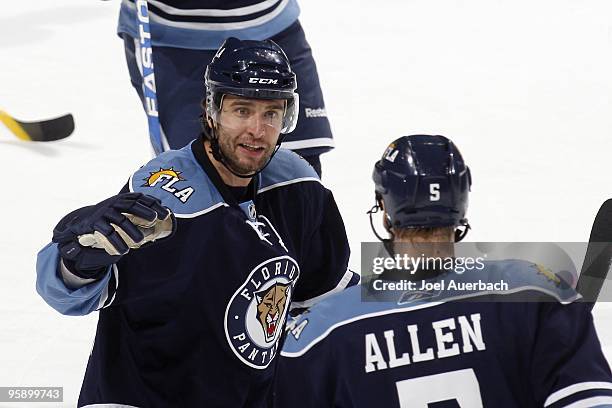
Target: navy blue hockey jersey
448, 348
195, 320
205, 24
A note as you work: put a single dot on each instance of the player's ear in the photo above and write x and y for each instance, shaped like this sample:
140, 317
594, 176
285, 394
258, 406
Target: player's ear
387, 222
379, 201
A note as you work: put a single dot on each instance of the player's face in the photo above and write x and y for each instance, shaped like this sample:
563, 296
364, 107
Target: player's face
248, 130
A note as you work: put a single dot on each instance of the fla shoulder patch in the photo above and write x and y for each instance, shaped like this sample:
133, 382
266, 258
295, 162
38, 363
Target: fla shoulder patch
176, 178
524, 275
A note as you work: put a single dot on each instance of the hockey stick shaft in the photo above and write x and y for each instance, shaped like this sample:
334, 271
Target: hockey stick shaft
598, 255
148, 77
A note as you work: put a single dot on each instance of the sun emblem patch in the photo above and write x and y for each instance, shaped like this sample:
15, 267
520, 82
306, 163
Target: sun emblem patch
166, 178
256, 313
154, 176
550, 275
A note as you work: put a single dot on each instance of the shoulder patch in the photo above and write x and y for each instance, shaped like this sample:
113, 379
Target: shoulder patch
286, 168
525, 275
177, 179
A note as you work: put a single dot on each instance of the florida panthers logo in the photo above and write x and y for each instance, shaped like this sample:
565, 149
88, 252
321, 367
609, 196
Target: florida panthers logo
270, 307
256, 313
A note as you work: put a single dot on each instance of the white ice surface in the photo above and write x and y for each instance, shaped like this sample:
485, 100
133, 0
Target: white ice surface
523, 87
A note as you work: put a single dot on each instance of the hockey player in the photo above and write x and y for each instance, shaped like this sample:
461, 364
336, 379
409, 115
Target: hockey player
418, 348
185, 36
242, 230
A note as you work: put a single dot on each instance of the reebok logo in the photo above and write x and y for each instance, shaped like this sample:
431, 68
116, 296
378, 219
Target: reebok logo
315, 113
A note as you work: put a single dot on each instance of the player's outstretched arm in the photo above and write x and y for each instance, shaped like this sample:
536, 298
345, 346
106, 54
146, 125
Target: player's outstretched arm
327, 254
73, 270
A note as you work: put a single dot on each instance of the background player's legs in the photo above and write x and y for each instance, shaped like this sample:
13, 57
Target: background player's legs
314, 160
312, 135
179, 78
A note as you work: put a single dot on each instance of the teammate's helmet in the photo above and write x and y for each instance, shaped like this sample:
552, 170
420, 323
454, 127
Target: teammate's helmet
423, 182
252, 69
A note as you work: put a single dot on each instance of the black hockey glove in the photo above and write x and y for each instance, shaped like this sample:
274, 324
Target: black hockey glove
92, 238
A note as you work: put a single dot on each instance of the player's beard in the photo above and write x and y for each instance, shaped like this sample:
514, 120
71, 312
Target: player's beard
242, 165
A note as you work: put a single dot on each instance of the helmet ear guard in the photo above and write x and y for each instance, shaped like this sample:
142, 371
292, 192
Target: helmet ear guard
380, 181
376, 208
206, 122
290, 116
462, 230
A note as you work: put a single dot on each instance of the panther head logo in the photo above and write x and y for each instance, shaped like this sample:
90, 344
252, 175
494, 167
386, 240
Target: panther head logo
257, 312
271, 304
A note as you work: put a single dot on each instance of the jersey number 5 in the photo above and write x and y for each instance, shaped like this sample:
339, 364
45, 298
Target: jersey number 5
434, 192
461, 386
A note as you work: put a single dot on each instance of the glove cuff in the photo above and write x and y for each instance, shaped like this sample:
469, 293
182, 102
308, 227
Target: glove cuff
70, 252
97, 273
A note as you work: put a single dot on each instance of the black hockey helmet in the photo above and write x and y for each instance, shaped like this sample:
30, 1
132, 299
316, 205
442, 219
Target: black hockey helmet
424, 183
252, 69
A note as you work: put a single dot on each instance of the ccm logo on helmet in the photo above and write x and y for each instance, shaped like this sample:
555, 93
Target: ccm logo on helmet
263, 81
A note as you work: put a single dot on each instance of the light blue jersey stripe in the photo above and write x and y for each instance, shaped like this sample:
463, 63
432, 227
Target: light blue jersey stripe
349, 305
286, 168
207, 36
50, 286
